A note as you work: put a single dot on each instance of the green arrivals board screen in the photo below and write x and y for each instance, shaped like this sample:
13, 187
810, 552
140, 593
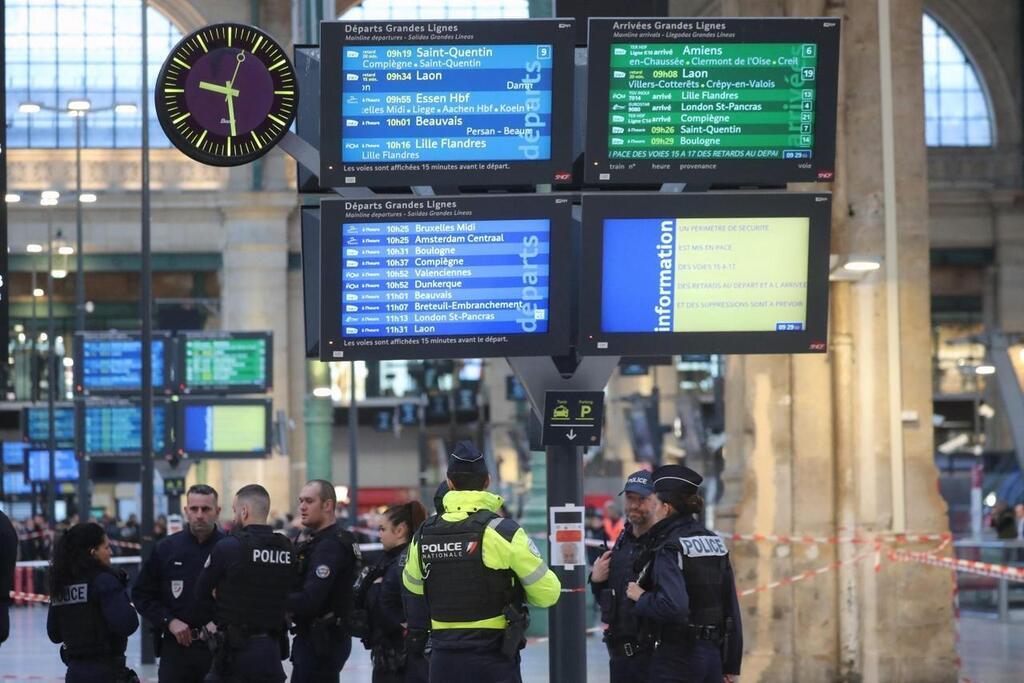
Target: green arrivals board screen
225, 363
722, 102
712, 101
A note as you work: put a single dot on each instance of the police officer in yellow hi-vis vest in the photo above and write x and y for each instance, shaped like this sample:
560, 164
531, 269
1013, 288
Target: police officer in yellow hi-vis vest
475, 570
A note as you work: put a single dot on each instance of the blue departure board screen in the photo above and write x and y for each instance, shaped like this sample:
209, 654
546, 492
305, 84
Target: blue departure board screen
417, 281
466, 97
13, 453
16, 484
446, 103
114, 364
116, 429
37, 424
65, 465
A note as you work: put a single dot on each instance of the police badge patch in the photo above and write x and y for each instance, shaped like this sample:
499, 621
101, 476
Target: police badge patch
176, 588
323, 571
533, 547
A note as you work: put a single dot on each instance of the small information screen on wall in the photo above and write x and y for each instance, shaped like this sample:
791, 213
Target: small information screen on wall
444, 277
446, 103
111, 363
114, 428
222, 362
726, 272
35, 422
712, 101
224, 428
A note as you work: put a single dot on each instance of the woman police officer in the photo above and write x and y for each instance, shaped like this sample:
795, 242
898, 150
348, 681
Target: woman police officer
90, 613
685, 593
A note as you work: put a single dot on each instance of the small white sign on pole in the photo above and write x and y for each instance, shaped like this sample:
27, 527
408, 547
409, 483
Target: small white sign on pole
566, 525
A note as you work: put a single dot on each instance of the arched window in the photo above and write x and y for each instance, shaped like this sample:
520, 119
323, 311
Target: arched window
956, 108
59, 50
390, 10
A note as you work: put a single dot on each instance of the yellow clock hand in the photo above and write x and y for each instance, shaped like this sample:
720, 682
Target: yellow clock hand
231, 112
213, 87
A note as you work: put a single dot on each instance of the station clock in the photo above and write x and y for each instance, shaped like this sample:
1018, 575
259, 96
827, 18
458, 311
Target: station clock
226, 94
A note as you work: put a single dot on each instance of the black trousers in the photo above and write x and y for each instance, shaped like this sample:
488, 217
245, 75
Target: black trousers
635, 669
307, 667
473, 666
692, 662
183, 664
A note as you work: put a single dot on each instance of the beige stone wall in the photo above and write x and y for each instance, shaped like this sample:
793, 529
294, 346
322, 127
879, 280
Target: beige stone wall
809, 448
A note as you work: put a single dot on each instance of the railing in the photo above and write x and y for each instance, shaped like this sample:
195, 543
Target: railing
990, 595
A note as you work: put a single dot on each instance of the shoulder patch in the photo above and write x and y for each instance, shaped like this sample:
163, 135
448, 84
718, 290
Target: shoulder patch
533, 547
505, 527
702, 546
323, 571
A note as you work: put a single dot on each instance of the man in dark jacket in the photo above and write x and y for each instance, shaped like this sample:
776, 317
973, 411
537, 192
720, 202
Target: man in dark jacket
164, 592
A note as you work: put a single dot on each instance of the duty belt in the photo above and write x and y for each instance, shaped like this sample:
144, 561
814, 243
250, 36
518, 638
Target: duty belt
694, 632
624, 647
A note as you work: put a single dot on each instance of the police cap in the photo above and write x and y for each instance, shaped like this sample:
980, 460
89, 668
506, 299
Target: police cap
466, 458
639, 483
676, 478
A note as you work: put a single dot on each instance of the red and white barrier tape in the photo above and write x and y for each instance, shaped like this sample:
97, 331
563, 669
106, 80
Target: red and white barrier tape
964, 566
836, 540
802, 576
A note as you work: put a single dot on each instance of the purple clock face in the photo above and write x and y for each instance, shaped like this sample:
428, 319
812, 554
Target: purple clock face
229, 84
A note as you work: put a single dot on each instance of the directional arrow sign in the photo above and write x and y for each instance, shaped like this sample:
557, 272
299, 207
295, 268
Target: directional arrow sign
573, 418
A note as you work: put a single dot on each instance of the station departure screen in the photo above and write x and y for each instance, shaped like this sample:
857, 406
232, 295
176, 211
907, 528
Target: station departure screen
474, 98
15, 484
442, 277
215, 428
225, 363
745, 271
13, 453
718, 97
37, 424
117, 429
65, 469
115, 364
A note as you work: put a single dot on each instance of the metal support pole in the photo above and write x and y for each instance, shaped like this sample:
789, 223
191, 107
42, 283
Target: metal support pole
567, 620
82, 486
146, 313
353, 449
51, 378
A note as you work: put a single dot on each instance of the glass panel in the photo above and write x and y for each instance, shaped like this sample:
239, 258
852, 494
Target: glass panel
931, 132
952, 104
953, 132
978, 132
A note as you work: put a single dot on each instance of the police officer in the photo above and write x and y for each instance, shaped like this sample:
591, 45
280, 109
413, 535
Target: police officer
321, 602
164, 592
475, 569
685, 594
8, 561
243, 590
90, 613
629, 659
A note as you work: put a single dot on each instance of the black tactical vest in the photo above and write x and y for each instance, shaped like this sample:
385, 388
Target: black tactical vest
705, 561
339, 601
255, 598
457, 584
81, 623
620, 617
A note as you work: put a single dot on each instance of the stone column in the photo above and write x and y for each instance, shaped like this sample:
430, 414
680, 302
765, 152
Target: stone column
808, 449
254, 296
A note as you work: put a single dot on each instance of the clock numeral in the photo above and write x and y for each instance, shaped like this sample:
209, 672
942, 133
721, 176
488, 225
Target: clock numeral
281, 62
256, 46
202, 42
184, 64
